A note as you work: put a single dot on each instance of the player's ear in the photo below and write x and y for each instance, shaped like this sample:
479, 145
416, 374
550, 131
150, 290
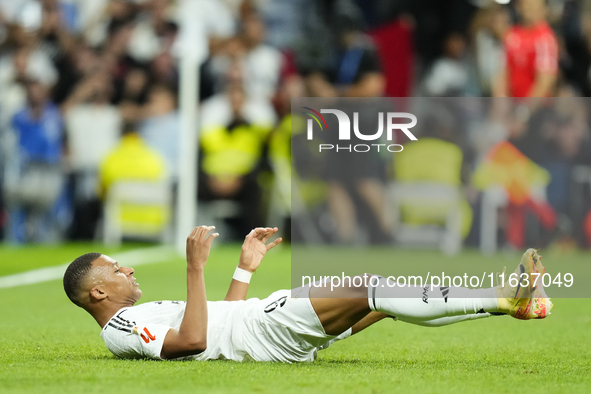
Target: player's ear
97, 294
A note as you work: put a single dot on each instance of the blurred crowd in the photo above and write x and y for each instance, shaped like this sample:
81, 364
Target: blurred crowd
89, 97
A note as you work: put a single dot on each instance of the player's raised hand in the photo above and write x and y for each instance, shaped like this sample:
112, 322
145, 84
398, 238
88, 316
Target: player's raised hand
254, 247
198, 245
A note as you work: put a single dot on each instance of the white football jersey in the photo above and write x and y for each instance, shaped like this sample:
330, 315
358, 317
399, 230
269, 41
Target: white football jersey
278, 328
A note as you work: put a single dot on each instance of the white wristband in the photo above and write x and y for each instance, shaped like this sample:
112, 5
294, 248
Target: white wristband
242, 275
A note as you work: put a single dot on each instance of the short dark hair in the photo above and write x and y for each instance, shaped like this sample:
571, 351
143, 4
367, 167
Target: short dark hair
76, 273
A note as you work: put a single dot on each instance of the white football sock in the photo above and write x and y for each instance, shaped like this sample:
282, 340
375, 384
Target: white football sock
444, 321
415, 303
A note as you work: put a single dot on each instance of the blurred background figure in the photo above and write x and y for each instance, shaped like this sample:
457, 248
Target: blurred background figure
93, 126
358, 71
523, 182
530, 59
135, 188
488, 29
355, 182
259, 64
262, 63
160, 127
429, 202
34, 184
152, 32
233, 145
280, 159
449, 74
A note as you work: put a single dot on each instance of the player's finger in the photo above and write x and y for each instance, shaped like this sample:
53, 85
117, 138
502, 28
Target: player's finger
190, 238
205, 230
269, 233
211, 237
259, 233
274, 243
249, 235
193, 232
197, 232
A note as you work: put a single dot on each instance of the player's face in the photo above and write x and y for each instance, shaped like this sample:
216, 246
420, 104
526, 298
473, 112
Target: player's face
118, 282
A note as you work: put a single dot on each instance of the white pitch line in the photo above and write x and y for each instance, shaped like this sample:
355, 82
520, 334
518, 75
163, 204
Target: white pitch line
136, 257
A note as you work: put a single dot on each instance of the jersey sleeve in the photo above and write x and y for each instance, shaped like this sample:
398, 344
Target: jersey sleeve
138, 341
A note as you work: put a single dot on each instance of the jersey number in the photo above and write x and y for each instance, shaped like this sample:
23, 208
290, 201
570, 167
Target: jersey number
276, 304
148, 337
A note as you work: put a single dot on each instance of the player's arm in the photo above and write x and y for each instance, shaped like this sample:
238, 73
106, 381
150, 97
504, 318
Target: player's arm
191, 337
544, 84
500, 87
546, 67
543, 87
253, 251
372, 84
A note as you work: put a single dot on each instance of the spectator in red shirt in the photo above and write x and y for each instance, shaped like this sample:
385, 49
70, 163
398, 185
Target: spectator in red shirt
530, 55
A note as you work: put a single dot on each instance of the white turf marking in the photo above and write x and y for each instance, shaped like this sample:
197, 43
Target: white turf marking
136, 257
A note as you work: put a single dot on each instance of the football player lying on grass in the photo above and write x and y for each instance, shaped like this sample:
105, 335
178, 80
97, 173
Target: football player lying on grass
287, 326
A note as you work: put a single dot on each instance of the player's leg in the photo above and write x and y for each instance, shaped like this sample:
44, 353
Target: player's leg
340, 308
446, 321
518, 298
368, 320
540, 306
349, 306
338, 311
374, 317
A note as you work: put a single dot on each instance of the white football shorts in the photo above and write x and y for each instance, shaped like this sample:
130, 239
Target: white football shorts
284, 327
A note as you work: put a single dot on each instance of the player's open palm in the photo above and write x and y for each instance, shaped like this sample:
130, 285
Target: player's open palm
255, 247
199, 245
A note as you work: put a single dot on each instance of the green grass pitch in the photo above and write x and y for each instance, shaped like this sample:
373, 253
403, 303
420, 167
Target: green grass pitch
48, 345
